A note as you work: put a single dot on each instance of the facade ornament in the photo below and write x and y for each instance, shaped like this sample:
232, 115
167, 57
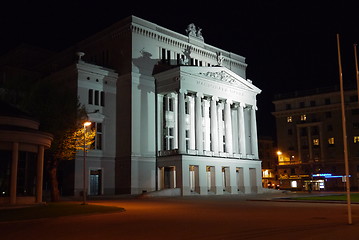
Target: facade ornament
219, 58
222, 76
187, 56
192, 31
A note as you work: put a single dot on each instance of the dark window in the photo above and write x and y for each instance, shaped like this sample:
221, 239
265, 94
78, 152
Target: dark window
90, 97
312, 103
327, 101
170, 104
102, 99
186, 108
328, 114
355, 111
356, 125
353, 98
96, 97
288, 107
163, 55
330, 128
168, 56
290, 132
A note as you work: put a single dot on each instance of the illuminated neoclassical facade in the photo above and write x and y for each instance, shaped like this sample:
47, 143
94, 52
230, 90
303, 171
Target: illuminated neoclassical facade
185, 112
171, 113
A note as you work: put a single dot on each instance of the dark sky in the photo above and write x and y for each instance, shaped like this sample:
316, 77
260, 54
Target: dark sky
289, 45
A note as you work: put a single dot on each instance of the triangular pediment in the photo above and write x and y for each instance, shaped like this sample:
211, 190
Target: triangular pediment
226, 76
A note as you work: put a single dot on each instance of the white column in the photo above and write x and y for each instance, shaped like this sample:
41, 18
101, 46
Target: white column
175, 117
192, 116
242, 138
199, 130
220, 127
39, 173
13, 176
207, 132
254, 137
228, 126
214, 125
161, 101
181, 123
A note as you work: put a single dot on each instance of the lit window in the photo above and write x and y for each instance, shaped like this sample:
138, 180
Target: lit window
289, 119
331, 141
316, 142
303, 117
97, 144
168, 142
356, 139
293, 184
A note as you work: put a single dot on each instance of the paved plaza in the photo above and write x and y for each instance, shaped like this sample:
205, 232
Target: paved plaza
264, 216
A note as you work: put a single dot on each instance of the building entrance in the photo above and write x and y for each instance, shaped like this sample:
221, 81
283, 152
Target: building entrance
96, 182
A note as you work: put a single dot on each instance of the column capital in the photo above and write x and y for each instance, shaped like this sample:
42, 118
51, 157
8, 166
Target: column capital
214, 98
253, 107
182, 91
200, 95
229, 101
242, 104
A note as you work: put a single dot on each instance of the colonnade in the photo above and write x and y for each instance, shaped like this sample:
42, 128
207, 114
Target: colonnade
210, 125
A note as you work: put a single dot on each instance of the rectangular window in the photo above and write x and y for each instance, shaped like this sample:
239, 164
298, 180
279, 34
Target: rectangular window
102, 98
312, 103
96, 97
170, 104
355, 111
356, 125
353, 98
356, 139
97, 127
290, 119
331, 141
327, 101
168, 142
186, 107
168, 56
328, 114
316, 142
303, 117
288, 107
90, 96
163, 57
301, 104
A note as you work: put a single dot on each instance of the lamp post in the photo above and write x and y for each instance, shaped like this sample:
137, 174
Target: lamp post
84, 191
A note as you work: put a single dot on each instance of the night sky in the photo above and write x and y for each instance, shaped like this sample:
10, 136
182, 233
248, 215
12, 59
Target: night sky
288, 45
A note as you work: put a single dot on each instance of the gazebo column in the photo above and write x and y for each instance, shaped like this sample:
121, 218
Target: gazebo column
13, 179
39, 173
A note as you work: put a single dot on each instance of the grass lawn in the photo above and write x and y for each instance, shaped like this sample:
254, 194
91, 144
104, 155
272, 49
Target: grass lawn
354, 197
51, 210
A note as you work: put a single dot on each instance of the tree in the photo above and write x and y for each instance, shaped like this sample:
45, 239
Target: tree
72, 141
56, 107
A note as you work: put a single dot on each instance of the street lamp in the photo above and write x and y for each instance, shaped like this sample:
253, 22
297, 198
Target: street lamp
84, 191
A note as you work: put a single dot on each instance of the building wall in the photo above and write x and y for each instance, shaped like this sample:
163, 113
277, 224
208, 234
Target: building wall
315, 144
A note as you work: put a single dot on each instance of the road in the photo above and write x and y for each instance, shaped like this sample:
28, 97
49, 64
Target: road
212, 217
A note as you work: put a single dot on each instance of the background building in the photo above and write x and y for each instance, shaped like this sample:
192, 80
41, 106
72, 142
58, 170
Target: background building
310, 139
268, 156
170, 111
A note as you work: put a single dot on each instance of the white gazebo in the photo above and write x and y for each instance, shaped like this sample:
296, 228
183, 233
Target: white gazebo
22, 148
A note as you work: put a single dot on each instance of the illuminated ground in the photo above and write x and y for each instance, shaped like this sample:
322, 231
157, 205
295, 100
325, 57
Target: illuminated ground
214, 217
